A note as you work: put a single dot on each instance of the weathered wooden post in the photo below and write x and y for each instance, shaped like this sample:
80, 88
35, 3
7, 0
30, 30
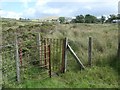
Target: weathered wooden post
39, 47
89, 51
17, 60
66, 43
64, 57
118, 31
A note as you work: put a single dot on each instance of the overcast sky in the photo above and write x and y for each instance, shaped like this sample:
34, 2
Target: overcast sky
42, 8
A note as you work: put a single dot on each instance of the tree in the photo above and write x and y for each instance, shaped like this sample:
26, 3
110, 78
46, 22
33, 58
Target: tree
103, 19
20, 18
90, 19
62, 19
73, 21
80, 19
111, 18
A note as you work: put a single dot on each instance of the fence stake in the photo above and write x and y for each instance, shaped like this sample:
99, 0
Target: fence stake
20, 55
45, 60
17, 60
66, 42
64, 55
49, 61
89, 51
39, 48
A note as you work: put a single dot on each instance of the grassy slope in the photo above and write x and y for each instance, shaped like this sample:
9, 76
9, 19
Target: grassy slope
103, 73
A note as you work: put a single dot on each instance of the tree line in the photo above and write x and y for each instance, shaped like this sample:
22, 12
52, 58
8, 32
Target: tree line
91, 19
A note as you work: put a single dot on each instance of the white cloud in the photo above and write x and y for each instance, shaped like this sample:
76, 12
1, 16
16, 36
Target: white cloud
88, 7
10, 14
52, 11
25, 3
30, 12
119, 7
109, 1
42, 2
41, 8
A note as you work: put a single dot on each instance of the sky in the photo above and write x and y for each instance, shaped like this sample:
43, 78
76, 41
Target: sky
35, 9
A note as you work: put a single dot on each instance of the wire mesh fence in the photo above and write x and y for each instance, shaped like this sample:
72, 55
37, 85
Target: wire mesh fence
29, 58
8, 63
31, 66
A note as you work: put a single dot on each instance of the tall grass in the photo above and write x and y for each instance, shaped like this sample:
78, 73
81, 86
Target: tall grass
104, 71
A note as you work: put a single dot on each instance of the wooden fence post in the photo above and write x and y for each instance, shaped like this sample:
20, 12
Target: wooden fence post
118, 52
64, 55
66, 43
39, 47
17, 60
89, 51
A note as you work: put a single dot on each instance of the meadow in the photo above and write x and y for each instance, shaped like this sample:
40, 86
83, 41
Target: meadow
104, 72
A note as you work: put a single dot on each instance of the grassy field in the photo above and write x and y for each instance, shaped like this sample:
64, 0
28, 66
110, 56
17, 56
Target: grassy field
104, 72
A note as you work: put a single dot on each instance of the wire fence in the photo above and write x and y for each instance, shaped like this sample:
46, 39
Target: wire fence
8, 63
35, 58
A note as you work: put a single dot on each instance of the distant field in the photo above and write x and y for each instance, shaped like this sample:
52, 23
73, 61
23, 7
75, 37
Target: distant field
104, 72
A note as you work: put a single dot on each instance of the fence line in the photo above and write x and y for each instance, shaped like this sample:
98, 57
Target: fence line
45, 54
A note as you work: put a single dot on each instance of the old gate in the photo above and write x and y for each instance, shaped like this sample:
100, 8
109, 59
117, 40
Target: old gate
31, 57
41, 58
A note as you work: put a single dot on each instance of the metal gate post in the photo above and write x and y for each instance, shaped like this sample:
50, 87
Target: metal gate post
45, 52
49, 60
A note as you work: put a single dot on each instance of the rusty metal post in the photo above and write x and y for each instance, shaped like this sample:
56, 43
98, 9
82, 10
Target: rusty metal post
63, 57
49, 60
20, 55
45, 61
